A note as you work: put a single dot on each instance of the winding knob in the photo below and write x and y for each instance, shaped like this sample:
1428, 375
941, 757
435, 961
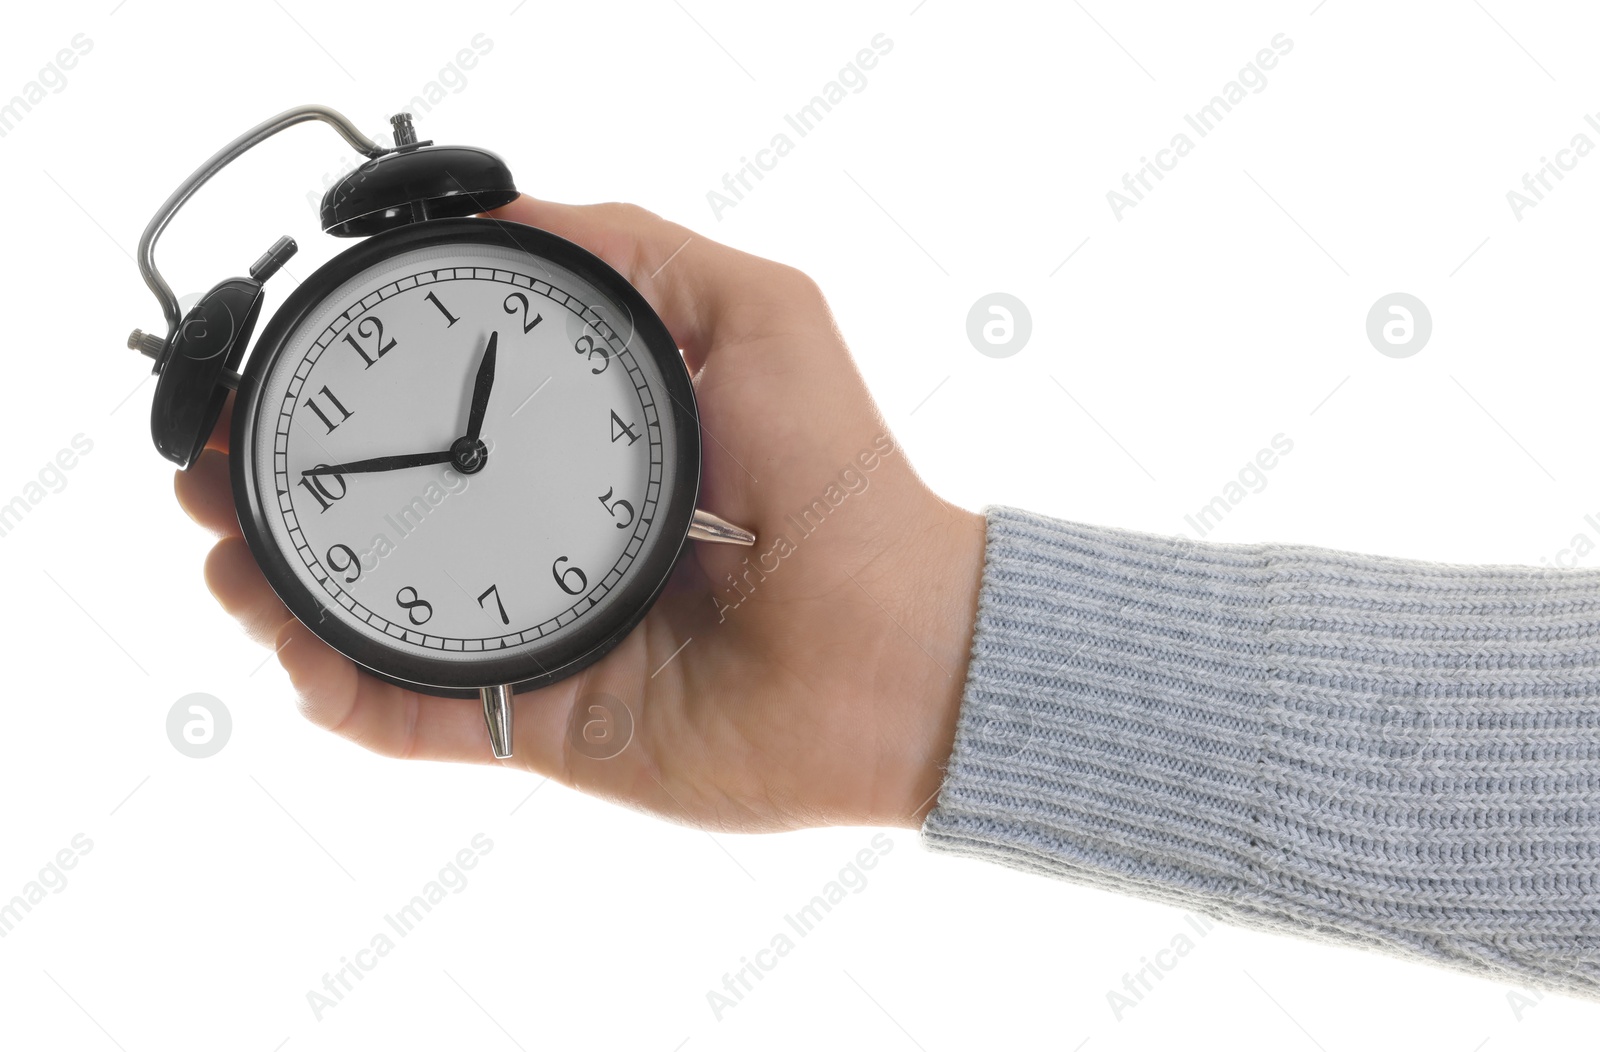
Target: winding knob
146, 343
405, 132
281, 252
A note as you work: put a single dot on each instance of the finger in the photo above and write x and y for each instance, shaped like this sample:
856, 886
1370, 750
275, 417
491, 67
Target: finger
392, 721
205, 493
699, 287
220, 433
381, 717
234, 578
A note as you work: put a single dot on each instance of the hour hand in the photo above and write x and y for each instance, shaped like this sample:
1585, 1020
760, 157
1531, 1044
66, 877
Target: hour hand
481, 388
394, 463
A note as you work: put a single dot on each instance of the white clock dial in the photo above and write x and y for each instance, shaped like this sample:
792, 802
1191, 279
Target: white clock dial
453, 560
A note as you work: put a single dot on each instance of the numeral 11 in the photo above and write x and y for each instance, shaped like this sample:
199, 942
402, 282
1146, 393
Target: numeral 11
344, 414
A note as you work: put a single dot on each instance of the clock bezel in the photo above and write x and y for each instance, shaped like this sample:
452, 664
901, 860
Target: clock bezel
634, 596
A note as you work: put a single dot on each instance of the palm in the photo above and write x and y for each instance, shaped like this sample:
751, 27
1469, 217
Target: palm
771, 687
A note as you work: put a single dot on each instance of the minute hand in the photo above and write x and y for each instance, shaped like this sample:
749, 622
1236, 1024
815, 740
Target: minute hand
394, 463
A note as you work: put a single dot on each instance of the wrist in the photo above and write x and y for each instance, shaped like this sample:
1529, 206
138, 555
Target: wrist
950, 578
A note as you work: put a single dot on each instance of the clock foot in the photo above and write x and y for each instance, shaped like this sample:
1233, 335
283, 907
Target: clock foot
708, 527
497, 712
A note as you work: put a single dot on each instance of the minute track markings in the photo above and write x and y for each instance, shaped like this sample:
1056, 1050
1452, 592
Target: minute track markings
584, 313
642, 390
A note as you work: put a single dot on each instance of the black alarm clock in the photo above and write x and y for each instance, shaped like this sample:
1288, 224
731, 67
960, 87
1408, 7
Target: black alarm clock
465, 452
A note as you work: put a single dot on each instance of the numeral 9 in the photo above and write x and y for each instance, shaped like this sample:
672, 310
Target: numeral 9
351, 562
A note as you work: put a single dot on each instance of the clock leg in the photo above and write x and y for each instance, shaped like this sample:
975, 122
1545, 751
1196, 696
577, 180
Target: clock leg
497, 713
708, 527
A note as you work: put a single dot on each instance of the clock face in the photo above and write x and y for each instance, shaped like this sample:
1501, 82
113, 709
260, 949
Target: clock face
445, 558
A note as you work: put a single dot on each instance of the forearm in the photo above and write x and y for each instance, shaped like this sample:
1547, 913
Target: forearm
1396, 754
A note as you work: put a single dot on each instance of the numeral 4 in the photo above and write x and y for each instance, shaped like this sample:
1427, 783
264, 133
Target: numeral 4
620, 428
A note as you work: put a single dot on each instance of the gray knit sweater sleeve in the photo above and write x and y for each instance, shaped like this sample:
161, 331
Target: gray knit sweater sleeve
1374, 751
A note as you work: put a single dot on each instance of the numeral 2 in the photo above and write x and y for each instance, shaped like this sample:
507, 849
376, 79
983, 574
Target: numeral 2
515, 298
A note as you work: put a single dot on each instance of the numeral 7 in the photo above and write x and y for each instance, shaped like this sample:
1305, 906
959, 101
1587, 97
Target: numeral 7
494, 591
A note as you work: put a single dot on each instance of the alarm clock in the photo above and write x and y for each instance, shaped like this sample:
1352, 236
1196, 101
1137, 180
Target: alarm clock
465, 452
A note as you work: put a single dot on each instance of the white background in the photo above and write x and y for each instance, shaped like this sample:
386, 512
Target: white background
1173, 344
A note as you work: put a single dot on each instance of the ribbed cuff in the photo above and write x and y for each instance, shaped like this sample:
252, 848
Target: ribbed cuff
1371, 751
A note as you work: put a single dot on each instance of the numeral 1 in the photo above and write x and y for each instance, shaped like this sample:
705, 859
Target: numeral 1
344, 414
442, 309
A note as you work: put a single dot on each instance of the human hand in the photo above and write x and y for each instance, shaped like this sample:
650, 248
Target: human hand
812, 680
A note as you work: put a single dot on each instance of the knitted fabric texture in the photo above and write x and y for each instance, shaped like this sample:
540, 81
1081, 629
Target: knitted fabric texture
1373, 751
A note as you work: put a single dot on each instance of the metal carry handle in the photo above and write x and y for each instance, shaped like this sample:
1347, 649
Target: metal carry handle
218, 161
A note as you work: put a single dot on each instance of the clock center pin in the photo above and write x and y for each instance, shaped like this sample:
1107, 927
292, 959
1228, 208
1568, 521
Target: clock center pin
468, 455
